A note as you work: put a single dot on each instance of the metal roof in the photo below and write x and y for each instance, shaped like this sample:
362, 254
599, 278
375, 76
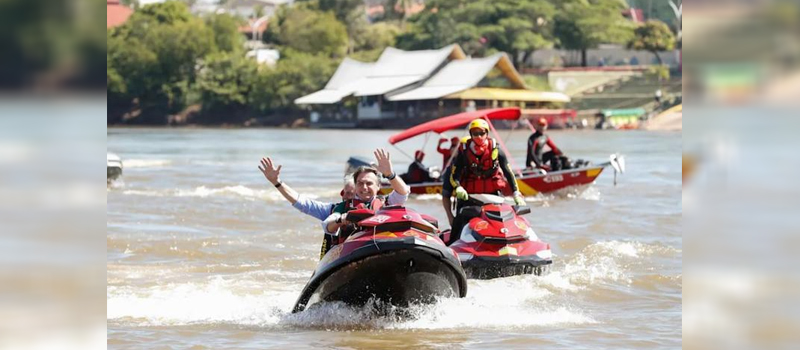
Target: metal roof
394, 69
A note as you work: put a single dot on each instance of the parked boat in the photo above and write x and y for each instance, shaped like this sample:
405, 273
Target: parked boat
113, 166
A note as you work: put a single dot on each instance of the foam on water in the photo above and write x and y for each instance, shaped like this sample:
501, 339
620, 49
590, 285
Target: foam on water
238, 191
145, 163
515, 301
603, 262
428, 197
265, 298
216, 301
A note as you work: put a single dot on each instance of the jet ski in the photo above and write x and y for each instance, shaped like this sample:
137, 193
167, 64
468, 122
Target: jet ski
113, 166
395, 255
497, 241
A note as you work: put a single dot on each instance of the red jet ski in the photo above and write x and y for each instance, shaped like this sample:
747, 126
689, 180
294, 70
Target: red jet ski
395, 255
498, 242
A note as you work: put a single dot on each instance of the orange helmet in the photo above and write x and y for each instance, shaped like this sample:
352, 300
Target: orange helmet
542, 121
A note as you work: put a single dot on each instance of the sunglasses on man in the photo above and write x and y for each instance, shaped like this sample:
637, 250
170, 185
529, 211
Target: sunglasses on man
477, 133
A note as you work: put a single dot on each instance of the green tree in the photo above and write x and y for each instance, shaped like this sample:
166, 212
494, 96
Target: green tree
226, 80
342, 9
226, 31
305, 30
132, 68
296, 74
168, 12
582, 25
156, 53
376, 37
653, 36
484, 26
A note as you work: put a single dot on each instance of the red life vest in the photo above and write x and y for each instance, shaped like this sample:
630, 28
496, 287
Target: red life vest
483, 173
375, 204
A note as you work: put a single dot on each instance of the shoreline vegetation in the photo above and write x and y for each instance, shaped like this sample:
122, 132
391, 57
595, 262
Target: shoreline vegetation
169, 67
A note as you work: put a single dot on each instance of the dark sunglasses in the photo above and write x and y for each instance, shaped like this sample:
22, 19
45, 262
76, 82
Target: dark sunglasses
477, 133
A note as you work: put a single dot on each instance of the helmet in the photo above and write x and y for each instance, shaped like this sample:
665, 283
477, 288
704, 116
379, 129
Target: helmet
479, 124
542, 121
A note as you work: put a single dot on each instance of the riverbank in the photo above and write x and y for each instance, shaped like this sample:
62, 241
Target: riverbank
669, 120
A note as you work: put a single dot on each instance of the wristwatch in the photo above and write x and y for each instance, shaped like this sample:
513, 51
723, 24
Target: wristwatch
279, 184
391, 177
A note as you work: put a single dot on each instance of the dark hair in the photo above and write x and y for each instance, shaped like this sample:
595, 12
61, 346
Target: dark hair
366, 169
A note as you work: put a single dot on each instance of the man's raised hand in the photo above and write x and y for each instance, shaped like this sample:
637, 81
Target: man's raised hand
270, 171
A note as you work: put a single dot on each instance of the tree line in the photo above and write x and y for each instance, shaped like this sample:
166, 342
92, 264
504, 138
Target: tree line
164, 60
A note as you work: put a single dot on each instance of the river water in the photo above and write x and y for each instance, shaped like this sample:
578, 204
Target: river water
203, 253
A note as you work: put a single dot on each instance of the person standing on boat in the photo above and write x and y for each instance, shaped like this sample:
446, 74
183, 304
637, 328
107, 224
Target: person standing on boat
537, 157
448, 153
368, 183
480, 167
308, 206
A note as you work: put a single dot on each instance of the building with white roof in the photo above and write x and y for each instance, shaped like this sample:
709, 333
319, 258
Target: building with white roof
419, 85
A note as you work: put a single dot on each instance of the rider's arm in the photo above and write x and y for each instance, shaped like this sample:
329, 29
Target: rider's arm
507, 171
333, 223
447, 204
399, 186
553, 146
395, 198
289, 193
529, 154
447, 192
439, 147
311, 207
386, 169
456, 169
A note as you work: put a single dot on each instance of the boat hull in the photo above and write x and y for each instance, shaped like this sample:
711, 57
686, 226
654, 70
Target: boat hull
529, 184
402, 271
113, 167
488, 268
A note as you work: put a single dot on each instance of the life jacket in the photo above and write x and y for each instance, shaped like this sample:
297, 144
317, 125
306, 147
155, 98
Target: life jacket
375, 204
328, 241
483, 173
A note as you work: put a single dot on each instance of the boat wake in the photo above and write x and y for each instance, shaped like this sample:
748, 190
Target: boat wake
238, 191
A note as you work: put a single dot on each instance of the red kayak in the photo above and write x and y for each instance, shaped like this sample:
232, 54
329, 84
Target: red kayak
395, 256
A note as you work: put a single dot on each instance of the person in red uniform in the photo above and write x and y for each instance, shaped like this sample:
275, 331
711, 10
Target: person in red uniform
479, 167
537, 157
417, 172
447, 153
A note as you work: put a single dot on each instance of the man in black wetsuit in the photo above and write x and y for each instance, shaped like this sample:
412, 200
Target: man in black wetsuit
537, 157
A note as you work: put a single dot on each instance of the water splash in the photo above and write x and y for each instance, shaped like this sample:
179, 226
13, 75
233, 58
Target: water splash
240, 301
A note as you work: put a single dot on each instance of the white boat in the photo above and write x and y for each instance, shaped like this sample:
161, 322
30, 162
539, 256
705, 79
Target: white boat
114, 166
